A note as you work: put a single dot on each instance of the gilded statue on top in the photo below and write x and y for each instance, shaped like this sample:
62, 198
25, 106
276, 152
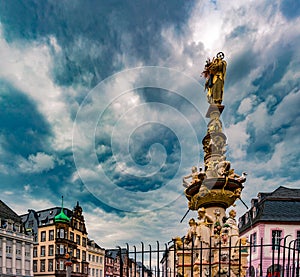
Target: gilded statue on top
215, 73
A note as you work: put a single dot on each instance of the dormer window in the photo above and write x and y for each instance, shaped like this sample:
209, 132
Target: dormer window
4, 224
253, 212
10, 225
259, 197
246, 217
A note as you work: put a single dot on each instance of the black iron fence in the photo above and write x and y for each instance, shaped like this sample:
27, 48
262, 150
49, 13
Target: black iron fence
280, 259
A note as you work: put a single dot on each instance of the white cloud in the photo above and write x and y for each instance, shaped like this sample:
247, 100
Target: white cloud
27, 188
27, 66
111, 229
237, 139
40, 162
246, 105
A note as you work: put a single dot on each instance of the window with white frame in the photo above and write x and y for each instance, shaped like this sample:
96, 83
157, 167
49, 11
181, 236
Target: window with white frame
298, 239
246, 218
43, 236
61, 265
27, 250
8, 249
51, 250
78, 239
42, 266
61, 233
276, 238
254, 212
61, 249
50, 265
18, 248
34, 266
84, 242
253, 239
43, 251
51, 234
83, 255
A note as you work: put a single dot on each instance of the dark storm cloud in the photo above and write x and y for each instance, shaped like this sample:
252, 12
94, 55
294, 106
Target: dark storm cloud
260, 148
141, 140
23, 132
140, 143
274, 71
111, 28
25, 129
239, 31
240, 66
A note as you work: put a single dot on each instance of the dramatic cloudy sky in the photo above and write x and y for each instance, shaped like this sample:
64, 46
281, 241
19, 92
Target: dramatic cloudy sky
102, 102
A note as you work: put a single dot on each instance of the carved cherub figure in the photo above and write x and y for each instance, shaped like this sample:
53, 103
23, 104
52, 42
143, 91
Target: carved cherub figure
232, 174
195, 175
178, 242
242, 179
223, 167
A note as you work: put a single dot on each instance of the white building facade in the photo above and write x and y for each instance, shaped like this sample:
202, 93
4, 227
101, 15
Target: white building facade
16, 248
96, 259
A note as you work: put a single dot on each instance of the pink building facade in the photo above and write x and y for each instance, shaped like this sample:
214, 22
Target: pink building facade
272, 225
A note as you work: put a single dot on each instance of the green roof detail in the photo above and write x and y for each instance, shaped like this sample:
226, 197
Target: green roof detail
62, 217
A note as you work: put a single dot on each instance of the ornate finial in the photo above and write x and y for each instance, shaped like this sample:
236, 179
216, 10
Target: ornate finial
62, 201
215, 73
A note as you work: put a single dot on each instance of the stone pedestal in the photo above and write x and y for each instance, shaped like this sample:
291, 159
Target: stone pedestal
184, 262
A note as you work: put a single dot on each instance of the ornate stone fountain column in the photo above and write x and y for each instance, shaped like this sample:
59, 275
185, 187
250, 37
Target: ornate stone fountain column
216, 188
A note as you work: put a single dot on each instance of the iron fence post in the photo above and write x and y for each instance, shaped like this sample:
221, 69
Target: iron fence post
261, 257
283, 256
158, 271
